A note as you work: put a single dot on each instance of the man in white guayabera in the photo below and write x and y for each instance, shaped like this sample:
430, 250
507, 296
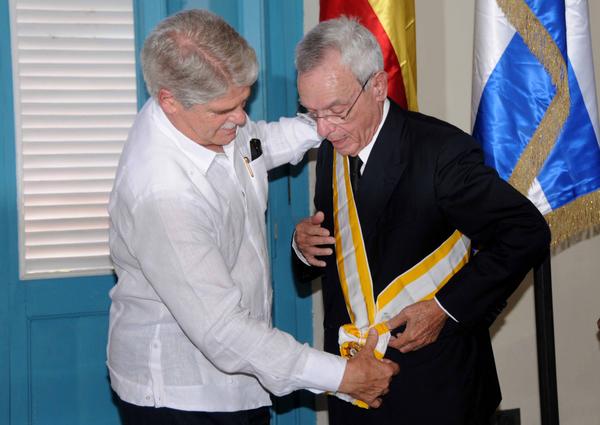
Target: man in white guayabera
190, 338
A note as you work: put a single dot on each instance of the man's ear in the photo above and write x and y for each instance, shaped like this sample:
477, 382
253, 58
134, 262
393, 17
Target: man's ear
167, 101
380, 85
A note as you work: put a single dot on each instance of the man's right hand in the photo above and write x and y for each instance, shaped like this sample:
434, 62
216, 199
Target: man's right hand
367, 378
310, 237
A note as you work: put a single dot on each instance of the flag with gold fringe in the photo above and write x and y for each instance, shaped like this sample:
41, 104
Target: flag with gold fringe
534, 108
393, 24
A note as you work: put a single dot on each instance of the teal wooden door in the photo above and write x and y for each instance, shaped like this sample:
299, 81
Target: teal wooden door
53, 331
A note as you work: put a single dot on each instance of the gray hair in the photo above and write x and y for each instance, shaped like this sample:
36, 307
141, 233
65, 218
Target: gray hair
358, 48
197, 56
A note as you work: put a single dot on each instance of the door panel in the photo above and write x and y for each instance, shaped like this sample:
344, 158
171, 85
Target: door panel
58, 352
52, 331
71, 372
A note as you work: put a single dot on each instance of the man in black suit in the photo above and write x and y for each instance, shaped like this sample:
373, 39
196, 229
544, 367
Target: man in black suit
420, 199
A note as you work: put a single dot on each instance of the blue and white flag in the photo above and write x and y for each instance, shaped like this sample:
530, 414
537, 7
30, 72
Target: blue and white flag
534, 107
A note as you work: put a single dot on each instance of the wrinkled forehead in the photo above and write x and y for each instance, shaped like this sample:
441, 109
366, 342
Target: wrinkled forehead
325, 86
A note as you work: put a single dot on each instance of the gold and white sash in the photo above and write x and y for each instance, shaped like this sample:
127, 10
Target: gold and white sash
419, 283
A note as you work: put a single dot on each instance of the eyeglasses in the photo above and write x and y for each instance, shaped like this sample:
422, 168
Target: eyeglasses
341, 118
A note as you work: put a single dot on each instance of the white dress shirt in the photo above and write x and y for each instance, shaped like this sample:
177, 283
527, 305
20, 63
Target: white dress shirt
190, 320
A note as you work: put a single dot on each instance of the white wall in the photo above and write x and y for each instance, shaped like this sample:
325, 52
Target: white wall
444, 62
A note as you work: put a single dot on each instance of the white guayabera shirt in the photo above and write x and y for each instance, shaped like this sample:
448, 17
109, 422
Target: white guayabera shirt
190, 320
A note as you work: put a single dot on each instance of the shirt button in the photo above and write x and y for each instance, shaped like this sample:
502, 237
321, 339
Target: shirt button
155, 346
147, 397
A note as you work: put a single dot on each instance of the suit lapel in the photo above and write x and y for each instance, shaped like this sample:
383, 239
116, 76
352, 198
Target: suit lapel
384, 168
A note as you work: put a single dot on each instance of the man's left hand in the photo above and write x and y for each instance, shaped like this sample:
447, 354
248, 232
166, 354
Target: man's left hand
424, 322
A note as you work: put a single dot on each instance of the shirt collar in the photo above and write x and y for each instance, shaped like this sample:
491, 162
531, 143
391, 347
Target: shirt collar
198, 154
366, 151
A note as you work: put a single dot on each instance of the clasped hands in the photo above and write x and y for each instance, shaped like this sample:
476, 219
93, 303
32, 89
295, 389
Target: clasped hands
423, 322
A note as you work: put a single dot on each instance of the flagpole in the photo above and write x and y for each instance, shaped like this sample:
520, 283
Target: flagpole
544, 323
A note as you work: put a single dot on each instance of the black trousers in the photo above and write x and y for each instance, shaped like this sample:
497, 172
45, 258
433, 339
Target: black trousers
132, 414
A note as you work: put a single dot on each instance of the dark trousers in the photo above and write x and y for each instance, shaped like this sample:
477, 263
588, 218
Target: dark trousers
144, 415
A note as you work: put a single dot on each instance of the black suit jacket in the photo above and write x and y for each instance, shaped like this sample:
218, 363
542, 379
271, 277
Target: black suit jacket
425, 178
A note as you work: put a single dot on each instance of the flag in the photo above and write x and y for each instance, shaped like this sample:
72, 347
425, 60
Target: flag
393, 24
534, 108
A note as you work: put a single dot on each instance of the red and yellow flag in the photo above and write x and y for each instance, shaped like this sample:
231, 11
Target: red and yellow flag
393, 24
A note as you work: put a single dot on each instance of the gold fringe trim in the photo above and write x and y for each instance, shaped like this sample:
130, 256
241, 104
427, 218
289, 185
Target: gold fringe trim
544, 48
578, 220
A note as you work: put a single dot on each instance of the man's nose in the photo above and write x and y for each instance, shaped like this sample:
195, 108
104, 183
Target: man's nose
324, 127
238, 116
